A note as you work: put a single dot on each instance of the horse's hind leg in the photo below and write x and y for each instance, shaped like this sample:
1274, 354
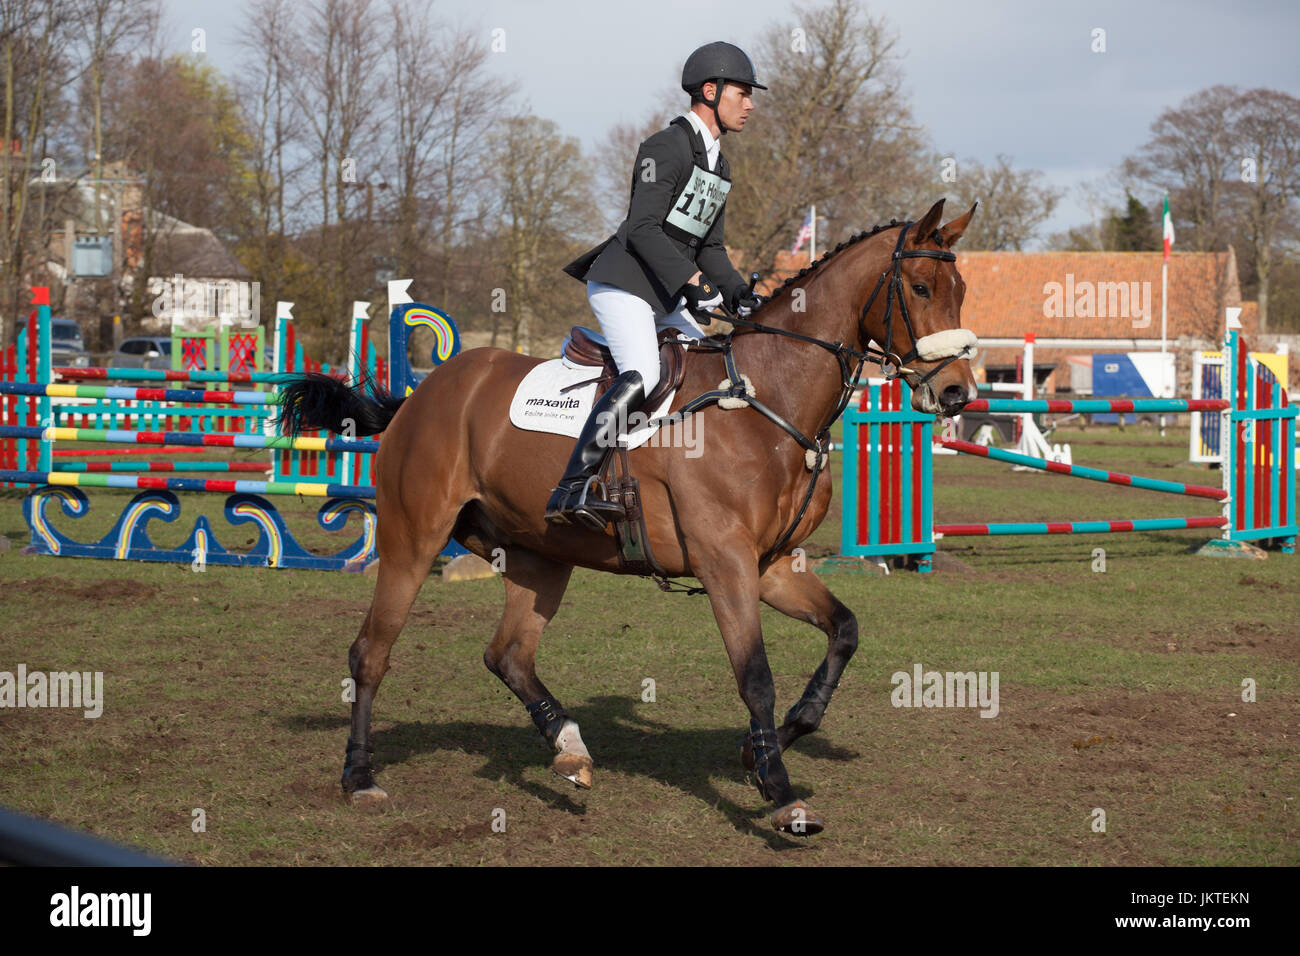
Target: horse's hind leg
802, 595
534, 586
404, 563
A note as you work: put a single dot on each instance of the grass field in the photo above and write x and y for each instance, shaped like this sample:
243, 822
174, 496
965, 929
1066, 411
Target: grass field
1119, 690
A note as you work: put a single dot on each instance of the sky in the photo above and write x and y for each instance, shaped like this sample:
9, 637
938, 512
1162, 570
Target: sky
985, 77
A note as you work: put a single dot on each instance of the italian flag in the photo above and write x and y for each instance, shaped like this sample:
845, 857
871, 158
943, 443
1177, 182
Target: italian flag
1169, 230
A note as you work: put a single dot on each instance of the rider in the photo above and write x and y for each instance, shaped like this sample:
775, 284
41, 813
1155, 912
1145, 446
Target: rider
666, 260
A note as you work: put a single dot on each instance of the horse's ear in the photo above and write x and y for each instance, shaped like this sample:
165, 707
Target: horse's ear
952, 232
928, 224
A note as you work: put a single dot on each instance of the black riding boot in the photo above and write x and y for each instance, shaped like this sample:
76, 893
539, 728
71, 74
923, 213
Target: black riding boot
571, 498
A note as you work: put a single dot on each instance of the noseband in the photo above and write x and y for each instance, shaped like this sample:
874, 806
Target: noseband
893, 369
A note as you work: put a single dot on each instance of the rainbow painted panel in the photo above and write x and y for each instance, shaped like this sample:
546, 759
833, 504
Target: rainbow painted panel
401, 377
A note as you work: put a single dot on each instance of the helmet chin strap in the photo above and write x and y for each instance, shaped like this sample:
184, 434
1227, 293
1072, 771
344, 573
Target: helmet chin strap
714, 103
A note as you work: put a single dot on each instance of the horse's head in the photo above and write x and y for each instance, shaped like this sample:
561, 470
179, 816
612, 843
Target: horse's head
920, 290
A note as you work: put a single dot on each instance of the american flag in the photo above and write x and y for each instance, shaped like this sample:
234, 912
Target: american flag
805, 232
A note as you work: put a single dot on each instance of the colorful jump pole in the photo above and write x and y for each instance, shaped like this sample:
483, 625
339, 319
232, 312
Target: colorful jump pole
137, 394
1078, 527
173, 375
1096, 405
207, 440
1079, 471
111, 466
229, 486
120, 452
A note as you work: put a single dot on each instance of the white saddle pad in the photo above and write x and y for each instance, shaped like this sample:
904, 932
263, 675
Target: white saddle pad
539, 404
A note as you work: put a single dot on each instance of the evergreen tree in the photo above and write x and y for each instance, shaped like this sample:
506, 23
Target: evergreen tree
1135, 230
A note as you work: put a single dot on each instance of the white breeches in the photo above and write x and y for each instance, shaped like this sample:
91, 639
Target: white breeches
630, 326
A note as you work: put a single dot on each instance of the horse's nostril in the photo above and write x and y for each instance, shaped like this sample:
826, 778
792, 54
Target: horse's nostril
954, 397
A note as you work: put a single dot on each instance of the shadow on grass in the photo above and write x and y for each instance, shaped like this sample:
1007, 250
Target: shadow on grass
621, 738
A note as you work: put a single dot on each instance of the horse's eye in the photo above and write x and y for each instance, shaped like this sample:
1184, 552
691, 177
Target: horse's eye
921, 290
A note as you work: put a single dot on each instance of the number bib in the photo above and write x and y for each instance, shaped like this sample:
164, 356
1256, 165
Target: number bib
698, 204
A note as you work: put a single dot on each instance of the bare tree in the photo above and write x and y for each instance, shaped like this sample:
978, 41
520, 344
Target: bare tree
33, 34
615, 156
1229, 163
1266, 128
196, 173
544, 188
271, 126
834, 129
1013, 204
339, 91
108, 28
1191, 155
445, 103
475, 105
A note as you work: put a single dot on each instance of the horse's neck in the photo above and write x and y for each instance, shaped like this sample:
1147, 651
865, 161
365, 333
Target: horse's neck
799, 380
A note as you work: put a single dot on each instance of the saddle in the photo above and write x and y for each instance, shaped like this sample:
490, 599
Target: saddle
585, 347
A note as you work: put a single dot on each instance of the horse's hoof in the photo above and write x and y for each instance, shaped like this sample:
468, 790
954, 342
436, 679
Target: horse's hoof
576, 768
373, 796
798, 819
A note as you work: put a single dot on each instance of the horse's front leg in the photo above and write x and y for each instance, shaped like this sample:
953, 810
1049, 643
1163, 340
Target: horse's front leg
803, 596
733, 586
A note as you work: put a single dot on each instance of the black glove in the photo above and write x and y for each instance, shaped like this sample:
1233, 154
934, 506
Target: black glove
702, 297
744, 302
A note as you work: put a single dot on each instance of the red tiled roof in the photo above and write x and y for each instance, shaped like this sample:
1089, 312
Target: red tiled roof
1011, 293
1008, 293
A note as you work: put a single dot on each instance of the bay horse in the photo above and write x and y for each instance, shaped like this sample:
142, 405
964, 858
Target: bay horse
451, 465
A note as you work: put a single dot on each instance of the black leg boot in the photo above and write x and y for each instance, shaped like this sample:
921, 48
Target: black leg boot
571, 498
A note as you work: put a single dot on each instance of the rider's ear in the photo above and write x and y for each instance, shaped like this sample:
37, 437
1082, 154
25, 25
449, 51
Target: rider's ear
927, 224
952, 232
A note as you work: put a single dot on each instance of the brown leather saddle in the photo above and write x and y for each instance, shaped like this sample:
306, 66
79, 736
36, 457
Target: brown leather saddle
582, 348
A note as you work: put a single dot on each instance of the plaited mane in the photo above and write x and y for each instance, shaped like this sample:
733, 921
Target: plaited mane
851, 241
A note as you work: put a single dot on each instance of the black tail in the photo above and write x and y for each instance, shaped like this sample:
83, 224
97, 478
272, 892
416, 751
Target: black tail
318, 401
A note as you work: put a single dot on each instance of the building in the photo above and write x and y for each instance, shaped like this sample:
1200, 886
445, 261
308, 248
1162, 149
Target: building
93, 261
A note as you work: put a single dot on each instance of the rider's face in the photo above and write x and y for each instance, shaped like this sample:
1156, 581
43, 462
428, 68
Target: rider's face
737, 103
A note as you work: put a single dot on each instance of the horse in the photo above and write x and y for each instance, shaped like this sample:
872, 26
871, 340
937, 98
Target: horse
452, 466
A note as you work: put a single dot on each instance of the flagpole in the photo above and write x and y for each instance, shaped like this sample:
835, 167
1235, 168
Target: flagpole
1164, 303
1167, 241
812, 248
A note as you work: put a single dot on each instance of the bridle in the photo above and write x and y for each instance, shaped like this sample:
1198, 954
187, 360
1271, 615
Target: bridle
896, 292
737, 388
842, 352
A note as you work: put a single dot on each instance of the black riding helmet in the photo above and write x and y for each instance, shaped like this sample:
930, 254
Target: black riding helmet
717, 62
